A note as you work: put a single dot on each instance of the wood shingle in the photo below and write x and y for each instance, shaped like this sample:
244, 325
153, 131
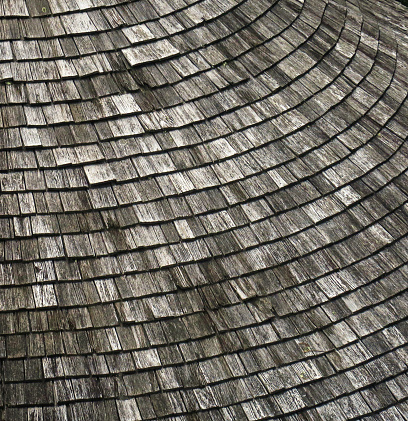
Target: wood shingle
203, 210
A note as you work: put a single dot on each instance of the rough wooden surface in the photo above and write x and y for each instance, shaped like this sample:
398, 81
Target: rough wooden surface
203, 210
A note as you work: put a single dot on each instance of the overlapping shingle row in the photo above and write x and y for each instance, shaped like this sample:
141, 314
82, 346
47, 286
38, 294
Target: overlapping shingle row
203, 210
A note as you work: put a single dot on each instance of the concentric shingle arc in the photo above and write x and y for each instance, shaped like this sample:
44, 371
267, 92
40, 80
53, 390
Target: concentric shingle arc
203, 210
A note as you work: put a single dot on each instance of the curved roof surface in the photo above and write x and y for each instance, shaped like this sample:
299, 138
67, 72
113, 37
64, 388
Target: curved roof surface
203, 210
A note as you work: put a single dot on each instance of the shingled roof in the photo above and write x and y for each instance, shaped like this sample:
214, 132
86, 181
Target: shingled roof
203, 210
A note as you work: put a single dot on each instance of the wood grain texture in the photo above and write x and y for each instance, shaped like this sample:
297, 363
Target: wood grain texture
203, 210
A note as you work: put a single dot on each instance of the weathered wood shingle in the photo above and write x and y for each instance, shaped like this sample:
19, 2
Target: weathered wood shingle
203, 210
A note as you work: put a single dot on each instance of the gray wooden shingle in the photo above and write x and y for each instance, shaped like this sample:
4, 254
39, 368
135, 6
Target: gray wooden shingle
203, 210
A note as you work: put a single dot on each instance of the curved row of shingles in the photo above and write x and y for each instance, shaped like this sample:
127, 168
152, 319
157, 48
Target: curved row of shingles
106, 106
37, 389
11, 183
129, 367
64, 152
44, 160
121, 9
63, 53
248, 408
37, 232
